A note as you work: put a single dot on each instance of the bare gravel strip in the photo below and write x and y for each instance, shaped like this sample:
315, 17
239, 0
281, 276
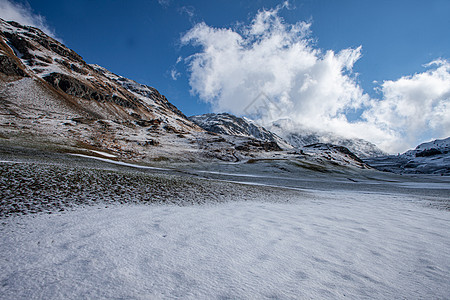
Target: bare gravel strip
33, 188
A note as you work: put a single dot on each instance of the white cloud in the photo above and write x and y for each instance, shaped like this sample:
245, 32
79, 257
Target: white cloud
23, 14
314, 88
415, 107
164, 3
174, 74
188, 10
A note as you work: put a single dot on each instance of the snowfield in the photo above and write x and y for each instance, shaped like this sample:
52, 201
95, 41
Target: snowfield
122, 232
334, 246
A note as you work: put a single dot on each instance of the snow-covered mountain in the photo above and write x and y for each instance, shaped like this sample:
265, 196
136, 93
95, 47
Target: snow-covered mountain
427, 158
228, 124
432, 148
284, 132
299, 137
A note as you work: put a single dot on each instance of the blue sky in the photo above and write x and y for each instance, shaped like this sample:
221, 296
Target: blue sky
141, 40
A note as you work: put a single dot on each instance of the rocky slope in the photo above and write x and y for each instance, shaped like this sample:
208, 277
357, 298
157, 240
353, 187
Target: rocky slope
427, 158
50, 94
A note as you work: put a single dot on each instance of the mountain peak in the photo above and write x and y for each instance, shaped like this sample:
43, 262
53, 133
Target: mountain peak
225, 123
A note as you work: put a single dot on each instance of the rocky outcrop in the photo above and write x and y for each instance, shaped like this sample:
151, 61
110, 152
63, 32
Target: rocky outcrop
331, 147
259, 145
140, 89
10, 67
65, 101
60, 49
428, 152
76, 88
20, 45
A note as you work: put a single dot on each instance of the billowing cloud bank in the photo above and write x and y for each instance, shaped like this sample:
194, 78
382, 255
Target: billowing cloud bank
23, 14
271, 70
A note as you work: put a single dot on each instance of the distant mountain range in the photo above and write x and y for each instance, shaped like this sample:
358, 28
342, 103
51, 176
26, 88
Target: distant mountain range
50, 97
283, 132
299, 137
427, 158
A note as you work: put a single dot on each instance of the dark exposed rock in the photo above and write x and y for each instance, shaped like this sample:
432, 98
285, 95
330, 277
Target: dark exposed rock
20, 44
346, 151
15, 24
271, 146
76, 88
9, 66
45, 59
171, 129
82, 120
242, 148
428, 152
23, 45
38, 63
164, 102
146, 123
58, 48
147, 91
75, 68
427, 158
260, 145
63, 62
148, 143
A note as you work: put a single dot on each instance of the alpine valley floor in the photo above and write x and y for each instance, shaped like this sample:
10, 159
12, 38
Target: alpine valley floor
74, 227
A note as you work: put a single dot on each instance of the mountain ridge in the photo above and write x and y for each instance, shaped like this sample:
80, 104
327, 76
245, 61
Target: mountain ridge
225, 123
299, 137
229, 124
427, 158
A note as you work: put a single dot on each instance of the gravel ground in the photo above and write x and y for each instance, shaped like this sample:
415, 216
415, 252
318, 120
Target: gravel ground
30, 187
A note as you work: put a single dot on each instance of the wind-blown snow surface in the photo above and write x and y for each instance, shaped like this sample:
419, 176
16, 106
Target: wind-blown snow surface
327, 245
